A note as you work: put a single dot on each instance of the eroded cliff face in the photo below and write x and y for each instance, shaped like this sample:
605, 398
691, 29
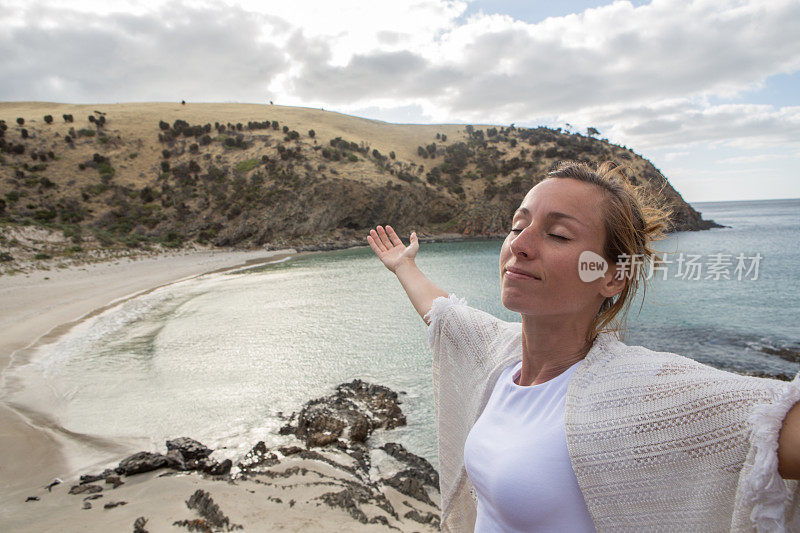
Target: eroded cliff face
330, 210
142, 175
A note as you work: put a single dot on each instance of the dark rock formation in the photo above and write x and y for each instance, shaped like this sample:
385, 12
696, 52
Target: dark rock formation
427, 518
790, 353
424, 470
138, 525
175, 460
408, 482
259, 456
212, 516
141, 462
289, 450
190, 449
91, 478
111, 505
220, 469
80, 489
354, 411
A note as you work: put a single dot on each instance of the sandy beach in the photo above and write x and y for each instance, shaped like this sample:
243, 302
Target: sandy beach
289, 495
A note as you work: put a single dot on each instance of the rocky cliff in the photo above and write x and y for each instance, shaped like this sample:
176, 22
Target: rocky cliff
142, 175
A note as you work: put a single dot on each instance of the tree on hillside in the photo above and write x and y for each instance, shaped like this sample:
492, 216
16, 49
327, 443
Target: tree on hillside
591, 131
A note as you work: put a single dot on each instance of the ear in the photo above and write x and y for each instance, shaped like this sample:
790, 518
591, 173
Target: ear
611, 284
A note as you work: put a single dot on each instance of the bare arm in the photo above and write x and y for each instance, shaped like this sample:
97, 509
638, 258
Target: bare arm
789, 445
399, 259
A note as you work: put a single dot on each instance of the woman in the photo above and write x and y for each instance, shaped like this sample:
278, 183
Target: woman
554, 424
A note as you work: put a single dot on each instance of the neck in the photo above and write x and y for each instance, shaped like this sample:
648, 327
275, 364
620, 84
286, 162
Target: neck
550, 346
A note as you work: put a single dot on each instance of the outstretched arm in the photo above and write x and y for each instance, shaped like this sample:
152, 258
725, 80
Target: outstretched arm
399, 259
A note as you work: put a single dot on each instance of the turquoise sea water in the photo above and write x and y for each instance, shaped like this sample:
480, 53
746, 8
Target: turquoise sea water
219, 357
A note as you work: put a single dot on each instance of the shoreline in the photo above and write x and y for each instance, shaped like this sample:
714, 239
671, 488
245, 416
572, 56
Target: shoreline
349, 484
41, 306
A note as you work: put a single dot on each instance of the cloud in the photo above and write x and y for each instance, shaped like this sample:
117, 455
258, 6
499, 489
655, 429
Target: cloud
643, 75
173, 53
742, 125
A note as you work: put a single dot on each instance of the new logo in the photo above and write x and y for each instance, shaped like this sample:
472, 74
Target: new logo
591, 266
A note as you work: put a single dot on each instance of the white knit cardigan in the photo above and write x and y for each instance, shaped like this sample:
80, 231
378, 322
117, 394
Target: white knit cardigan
657, 441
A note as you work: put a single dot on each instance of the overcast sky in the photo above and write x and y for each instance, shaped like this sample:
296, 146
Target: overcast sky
708, 90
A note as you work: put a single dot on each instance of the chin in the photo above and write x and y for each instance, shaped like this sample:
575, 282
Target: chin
511, 303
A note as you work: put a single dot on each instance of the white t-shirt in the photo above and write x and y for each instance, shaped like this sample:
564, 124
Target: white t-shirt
516, 457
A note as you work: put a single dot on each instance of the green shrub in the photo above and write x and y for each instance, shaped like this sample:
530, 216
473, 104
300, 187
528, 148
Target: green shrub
86, 132
206, 235
5, 257
105, 169
103, 237
352, 158
247, 165
95, 189
45, 215
172, 239
70, 230
42, 255
133, 241
102, 139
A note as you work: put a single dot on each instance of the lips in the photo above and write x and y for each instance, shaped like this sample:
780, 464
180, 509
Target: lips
520, 274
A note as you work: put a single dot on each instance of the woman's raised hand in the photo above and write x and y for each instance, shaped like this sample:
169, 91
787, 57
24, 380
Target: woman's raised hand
390, 249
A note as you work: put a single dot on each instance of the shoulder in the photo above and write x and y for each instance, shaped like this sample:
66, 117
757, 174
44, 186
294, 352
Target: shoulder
452, 319
620, 369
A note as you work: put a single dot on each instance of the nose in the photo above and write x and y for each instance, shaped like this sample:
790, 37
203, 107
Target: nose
524, 245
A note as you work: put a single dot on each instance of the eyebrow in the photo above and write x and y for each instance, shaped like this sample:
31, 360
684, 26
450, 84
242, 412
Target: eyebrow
551, 214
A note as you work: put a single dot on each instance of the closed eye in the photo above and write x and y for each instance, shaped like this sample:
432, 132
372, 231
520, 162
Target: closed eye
561, 237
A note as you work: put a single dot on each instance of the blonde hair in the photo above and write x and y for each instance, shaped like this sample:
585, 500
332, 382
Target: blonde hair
633, 218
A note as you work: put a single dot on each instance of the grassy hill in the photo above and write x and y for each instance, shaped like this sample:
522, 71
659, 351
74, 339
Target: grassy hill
78, 178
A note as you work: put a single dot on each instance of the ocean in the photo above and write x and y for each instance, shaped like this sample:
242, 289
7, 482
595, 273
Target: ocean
223, 357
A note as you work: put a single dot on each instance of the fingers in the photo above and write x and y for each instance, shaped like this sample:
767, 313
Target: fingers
373, 244
384, 238
393, 236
